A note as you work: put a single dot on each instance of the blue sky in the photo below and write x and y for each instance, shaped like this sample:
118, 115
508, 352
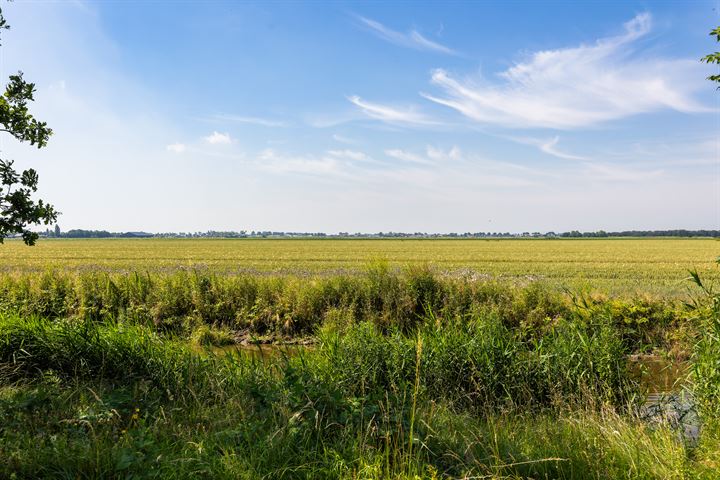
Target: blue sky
343, 116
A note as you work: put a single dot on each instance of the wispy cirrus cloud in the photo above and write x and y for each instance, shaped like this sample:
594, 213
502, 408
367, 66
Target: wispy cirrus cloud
277, 162
406, 156
546, 145
332, 164
344, 139
439, 154
349, 154
432, 155
264, 122
415, 170
550, 147
412, 39
615, 173
391, 114
577, 87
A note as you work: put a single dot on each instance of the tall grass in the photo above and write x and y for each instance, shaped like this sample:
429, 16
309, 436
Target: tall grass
705, 372
179, 302
413, 375
481, 365
91, 400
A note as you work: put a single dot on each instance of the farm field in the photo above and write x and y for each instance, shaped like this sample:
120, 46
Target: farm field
652, 265
148, 358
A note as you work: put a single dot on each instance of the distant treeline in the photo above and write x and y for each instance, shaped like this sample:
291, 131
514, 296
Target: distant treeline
78, 233
97, 234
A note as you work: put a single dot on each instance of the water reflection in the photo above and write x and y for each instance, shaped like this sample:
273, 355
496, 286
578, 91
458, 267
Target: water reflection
658, 375
667, 399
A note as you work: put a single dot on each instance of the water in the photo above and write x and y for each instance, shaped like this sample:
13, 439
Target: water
667, 400
658, 375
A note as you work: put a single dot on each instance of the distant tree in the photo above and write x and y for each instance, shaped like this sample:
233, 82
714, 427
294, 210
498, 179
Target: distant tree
713, 57
57, 231
17, 209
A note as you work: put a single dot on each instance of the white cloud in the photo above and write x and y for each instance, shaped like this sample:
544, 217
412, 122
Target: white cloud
343, 139
577, 87
413, 39
350, 154
406, 156
176, 147
439, 154
264, 122
275, 162
407, 116
549, 147
333, 165
431, 157
546, 145
615, 173
217, 138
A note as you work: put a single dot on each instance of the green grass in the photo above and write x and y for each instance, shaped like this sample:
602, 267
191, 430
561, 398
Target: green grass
88, 430
205, 336
706, 355
289, 306
650, 265
90, 400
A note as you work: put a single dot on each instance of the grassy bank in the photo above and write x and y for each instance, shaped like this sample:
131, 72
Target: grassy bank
705, 374
83, 399
413, 374
289, 306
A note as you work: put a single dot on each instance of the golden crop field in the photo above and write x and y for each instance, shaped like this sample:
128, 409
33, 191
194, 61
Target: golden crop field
648, 264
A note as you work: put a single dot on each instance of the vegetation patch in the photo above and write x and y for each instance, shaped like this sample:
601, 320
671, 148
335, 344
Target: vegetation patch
412, 374
286, 307
107, 400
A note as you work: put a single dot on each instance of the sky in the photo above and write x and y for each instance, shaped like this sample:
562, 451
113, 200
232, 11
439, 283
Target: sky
366, 117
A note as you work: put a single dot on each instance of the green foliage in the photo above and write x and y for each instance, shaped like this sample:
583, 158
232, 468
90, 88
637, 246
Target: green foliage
706, 353
288, 306
90, 400
205, 336
482, 364
17, 208
713, 57
644, 323
15, 116
415, 373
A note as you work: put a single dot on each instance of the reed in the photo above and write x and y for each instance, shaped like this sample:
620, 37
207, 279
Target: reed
289, 306
93, 400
